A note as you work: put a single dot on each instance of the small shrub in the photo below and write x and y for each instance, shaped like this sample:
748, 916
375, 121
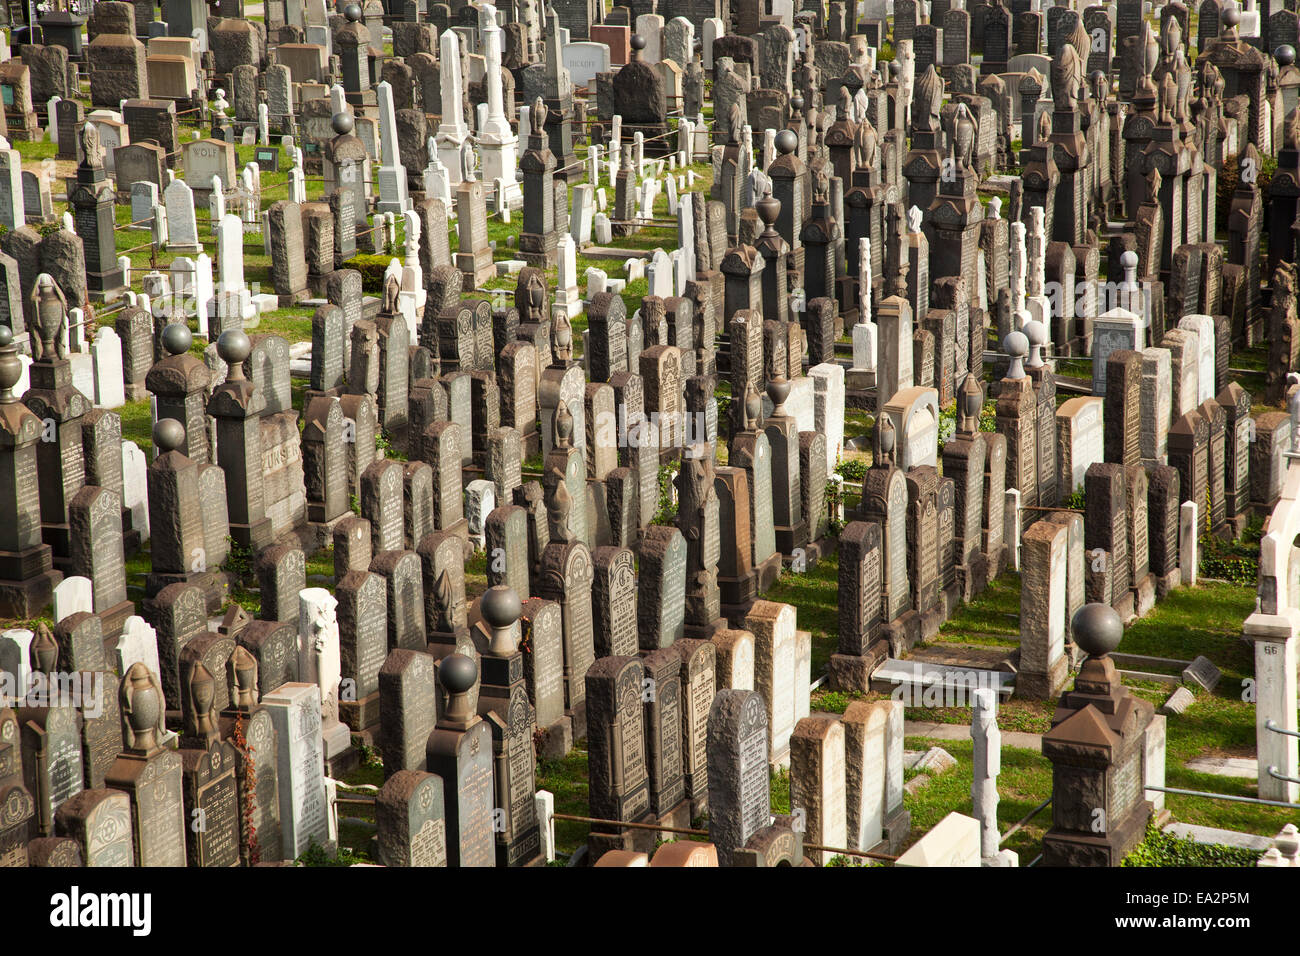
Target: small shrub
852, 469
1165, 849
667, 513
239, 560
372, 270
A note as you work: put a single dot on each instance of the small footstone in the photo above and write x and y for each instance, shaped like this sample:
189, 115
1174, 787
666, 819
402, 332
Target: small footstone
1178, 702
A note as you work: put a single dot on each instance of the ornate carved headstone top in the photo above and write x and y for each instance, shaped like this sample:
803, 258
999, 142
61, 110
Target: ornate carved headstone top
51, 319
91, 148
1067, 78
467, 161
392, 292
964, 134
142, 705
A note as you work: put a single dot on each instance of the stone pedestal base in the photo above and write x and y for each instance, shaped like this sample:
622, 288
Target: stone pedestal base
931, 620
214, 584
790, 538
767, 572
897, 828
316, 284
360, 715
902, 633
342, 763
370, 737
973, 577
1124, 606
1045, 685
114, 619
1167, 582
476, 267
737, 594
996, 562
1070, 848
814, 551
860, 398
578, 718
58, 537
134, 392
557, 739
255, 537
312, 393
949, 597
539, 251
323, 531
860, 379
633, 840
780, 760
704, 632
678, 817
28, 598
336, 736
105, 286
287, 299
1144, 595
853, 671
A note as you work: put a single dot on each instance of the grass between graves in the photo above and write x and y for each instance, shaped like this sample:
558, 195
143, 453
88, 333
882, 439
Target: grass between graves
1204, 620
1190, 621
1025, 780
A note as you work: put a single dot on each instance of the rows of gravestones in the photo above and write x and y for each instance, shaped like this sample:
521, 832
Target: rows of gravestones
653, 641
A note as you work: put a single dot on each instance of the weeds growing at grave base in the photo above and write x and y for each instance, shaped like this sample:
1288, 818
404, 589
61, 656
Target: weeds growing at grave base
239, 559
317, 855
1165, 849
